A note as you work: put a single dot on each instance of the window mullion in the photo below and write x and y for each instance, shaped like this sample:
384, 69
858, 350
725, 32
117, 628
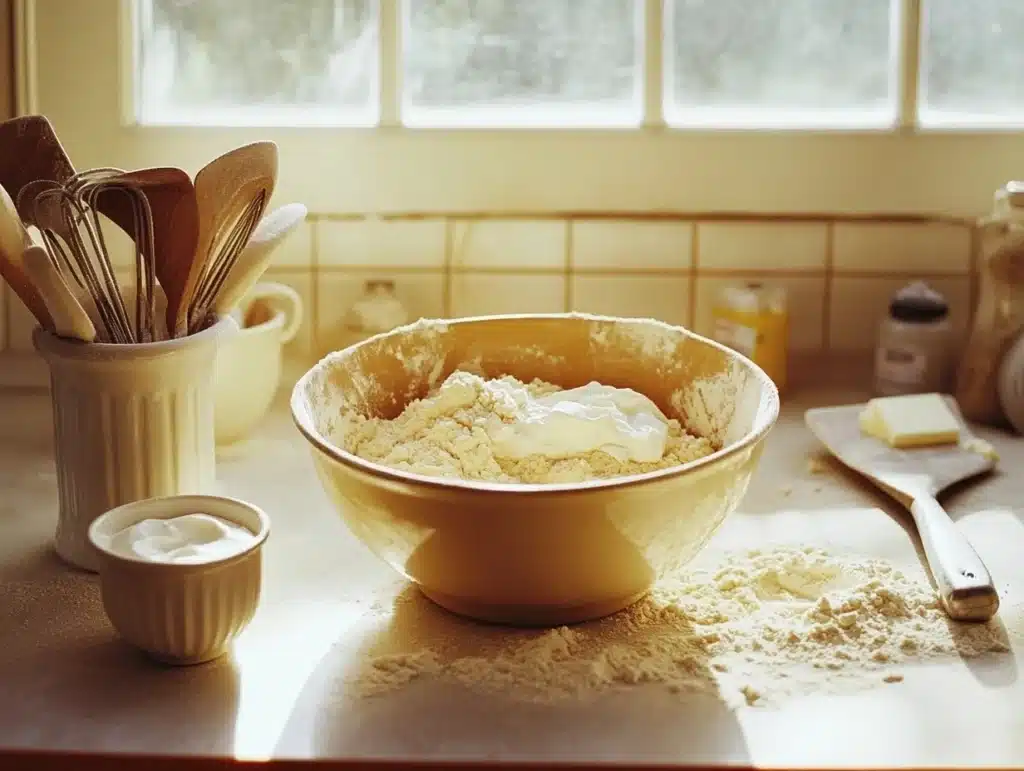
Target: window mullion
390, 85
653, 63
908, 63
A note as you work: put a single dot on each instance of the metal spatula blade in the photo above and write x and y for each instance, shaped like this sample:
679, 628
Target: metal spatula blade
914, 477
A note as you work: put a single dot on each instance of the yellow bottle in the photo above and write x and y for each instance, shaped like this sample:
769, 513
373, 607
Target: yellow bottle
753, 319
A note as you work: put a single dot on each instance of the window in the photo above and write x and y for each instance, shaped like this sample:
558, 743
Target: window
784, 63
752, 64
549, 105
524, 63
972, 57
257, 62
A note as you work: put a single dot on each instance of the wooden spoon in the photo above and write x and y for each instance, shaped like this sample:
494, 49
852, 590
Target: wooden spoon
224, 189
13, 241
69, 318
272, 230
29, 150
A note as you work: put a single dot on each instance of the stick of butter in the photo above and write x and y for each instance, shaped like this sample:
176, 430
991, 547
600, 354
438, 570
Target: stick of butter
915, 420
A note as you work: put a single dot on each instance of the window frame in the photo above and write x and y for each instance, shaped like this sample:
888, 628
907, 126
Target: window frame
654, 65
656, 167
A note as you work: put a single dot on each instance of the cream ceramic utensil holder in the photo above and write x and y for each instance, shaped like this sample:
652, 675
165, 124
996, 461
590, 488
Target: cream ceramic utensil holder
130, 422
247, 373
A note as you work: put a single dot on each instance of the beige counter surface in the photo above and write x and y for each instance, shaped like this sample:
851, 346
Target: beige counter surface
68, 683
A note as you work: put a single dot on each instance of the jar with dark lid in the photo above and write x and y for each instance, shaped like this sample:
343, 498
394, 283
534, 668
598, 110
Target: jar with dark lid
914, 343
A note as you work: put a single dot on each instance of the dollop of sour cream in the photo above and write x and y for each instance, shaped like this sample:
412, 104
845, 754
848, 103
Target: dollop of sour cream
187, 539
619, 421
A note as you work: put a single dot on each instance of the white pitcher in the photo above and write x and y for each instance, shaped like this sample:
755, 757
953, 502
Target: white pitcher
248, 366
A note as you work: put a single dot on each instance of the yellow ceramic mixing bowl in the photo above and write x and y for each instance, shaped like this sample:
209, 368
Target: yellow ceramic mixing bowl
539, 554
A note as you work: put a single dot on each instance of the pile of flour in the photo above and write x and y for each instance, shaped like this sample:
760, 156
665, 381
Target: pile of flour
757, 627
444, 435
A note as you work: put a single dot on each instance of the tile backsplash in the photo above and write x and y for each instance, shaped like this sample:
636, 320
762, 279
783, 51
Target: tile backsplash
839, 270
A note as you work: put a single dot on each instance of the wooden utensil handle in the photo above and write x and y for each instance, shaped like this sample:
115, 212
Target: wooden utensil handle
965, 587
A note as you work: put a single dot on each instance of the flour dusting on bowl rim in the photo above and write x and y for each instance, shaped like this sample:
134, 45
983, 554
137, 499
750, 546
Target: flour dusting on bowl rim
654, 333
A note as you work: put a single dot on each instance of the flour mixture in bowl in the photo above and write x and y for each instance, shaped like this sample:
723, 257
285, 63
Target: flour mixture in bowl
491, 461
504, 430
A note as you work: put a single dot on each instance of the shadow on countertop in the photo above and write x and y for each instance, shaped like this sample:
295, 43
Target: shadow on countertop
439, 717
70, 683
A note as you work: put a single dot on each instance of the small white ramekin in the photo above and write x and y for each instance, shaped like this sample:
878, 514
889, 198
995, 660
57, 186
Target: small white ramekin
180, 614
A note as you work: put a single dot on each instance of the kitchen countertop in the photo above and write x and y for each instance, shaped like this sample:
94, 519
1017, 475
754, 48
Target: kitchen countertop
68, 683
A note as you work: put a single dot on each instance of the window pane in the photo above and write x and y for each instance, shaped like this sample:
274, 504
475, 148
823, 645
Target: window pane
522, 63
787, 63
973, 55
225, 62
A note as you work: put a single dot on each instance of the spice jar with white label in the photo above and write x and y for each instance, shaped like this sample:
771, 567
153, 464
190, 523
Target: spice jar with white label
914, 342
376, 310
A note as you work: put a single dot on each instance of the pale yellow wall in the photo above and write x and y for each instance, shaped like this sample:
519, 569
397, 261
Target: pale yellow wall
839, 273
6, 58
79, 85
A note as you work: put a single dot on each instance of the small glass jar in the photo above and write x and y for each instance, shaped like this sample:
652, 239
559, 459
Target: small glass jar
377, 310
753, 319
914, 343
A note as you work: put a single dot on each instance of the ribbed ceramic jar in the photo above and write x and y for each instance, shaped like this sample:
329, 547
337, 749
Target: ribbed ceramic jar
130, 422
180, 613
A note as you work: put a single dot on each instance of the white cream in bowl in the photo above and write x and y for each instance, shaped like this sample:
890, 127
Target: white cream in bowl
185, 539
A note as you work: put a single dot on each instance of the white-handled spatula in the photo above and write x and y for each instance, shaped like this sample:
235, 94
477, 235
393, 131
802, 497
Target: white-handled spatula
915, 477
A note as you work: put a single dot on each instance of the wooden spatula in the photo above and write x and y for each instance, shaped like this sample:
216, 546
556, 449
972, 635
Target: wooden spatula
29, 149
224, 188
13, 241
69, 318
252, 262
914, 477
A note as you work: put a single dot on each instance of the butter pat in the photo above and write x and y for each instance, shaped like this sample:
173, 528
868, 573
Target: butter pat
915, 420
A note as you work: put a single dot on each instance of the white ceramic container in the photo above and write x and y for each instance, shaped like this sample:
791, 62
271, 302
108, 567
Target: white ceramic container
130, 422
180, 613
248, 366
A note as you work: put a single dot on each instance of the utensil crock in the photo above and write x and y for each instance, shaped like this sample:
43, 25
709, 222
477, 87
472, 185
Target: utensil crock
130, 422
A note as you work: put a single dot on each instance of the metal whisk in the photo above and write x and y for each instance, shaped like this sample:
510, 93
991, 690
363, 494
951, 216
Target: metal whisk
223, 256
69, 221
89, 193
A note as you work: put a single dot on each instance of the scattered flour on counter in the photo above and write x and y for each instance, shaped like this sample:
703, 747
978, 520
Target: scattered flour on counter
757, 628
446, 435
816, 466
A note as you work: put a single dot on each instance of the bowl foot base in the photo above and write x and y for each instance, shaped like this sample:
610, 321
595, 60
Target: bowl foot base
185, 661
531, 615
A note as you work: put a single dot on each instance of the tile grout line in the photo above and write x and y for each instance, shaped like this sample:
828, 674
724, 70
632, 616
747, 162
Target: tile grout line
701, 216
973, 277
694, 270
314, 298
567, 290
826, 298
724, 272
446, 268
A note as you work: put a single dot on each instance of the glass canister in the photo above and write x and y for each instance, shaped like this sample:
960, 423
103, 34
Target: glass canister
377, 310
914, 343
753, 319
999, 314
